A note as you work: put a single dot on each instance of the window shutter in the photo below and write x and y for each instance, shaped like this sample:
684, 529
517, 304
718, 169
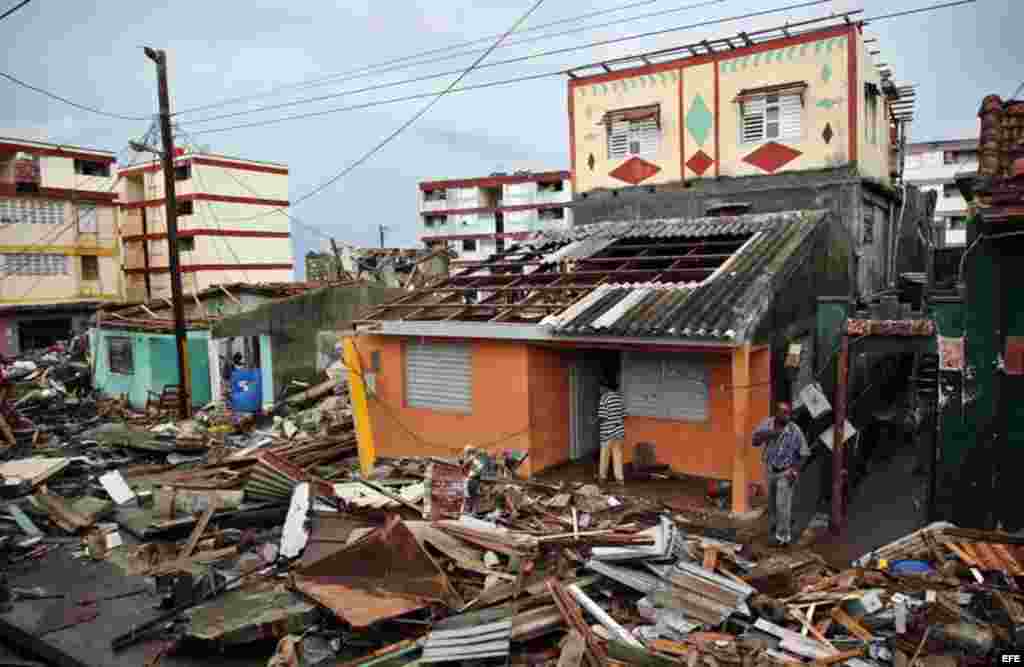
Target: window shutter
618, 139
753, 120
641, 386
685, 389
644, 136
438, 376
790, 112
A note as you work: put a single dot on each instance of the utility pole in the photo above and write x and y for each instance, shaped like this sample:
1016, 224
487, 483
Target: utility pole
338, 268
382, 228
171, 207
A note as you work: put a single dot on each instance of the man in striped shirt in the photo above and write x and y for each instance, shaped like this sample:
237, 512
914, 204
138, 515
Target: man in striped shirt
611, 415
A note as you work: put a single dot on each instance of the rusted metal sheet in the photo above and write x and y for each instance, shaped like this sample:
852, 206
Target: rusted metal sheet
446, 489
260, 610
1014, 356
358, 608
890, 327
386, 561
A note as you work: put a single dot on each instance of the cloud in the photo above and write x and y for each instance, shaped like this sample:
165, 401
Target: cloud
482, 145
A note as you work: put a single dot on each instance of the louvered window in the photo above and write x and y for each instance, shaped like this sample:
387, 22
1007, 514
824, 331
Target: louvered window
438, 376
34, 264
770, 118
31, 211
665, 386
633, 132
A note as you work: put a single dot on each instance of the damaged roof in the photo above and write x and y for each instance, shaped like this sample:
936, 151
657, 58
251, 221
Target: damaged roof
710, 278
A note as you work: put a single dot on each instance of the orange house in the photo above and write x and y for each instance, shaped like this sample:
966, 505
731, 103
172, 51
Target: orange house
507, 353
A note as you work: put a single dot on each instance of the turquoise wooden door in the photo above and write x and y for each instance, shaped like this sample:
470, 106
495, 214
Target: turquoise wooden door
163, 364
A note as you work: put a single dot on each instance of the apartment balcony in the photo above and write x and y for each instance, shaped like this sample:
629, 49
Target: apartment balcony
426, 206
557, 197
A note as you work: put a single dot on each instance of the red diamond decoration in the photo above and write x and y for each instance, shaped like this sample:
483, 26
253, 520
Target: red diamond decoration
772, 156
699, 163
634, 170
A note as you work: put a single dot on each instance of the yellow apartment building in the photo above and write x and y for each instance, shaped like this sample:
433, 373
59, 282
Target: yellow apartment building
59, 253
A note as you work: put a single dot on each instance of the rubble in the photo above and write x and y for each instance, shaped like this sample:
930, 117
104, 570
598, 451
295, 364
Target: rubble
243, 529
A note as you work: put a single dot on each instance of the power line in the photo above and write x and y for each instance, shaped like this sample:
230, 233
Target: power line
65, 100
510, 61
520, 79
419, 114
14, 9
387, 66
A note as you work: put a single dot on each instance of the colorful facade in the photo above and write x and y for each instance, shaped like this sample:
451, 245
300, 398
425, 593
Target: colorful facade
58, 240
805, 102
477, 217
231, 225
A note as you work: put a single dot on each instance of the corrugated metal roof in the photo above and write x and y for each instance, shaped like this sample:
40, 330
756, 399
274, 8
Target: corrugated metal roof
727, 305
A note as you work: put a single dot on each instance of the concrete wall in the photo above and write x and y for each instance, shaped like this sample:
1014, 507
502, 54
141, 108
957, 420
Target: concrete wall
155, 365
293, 325
64, 238
248, 229
500, 403
700, 117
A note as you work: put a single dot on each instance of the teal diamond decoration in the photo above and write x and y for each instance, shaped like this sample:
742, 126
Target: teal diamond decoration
699, 119
825, 104
826, 73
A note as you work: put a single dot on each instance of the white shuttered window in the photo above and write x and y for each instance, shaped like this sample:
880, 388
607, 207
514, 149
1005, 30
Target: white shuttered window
439, 376
771, 117
665, 386
633, 137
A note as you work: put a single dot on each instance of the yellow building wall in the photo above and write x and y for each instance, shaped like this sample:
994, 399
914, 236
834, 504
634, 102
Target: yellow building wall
700, 115
589, 106
823, 65
63, 239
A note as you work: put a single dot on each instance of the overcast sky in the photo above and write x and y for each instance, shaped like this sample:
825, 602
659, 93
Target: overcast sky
90, 53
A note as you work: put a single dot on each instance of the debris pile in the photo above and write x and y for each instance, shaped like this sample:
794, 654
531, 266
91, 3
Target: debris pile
229, 531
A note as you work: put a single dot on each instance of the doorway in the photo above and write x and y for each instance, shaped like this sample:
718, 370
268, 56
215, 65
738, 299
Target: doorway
585, 373
42, 333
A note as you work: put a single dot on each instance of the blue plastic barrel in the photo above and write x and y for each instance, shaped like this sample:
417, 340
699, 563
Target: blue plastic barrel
246, 390
910, 567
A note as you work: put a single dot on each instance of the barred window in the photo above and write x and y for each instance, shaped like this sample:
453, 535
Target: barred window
34, 264
33, 211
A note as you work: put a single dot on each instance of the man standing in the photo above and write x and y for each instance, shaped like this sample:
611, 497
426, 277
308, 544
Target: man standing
474, 462
784, 450
610, 415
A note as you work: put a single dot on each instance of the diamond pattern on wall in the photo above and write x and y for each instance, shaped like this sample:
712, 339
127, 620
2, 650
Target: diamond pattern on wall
772, 156
826, 73
634, 170
699, 119
826, 134
699, 163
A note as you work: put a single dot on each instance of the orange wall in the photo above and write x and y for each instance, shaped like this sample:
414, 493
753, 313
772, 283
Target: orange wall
549, 408
707, 449
500, 403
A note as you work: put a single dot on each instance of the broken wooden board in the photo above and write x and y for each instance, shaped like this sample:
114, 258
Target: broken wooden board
851, 624
34, 470
573, 650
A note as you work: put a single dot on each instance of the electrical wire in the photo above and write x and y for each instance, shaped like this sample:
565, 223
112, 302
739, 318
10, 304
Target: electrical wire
511, 61
428, 77
388, 139
521, 79
197, 174
396, 63
65, 100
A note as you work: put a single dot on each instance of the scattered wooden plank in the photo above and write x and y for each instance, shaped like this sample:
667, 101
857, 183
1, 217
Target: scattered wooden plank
808, 626
839, 657
710, 558
200, 528
823, 625
36, 469
972, 552
572, 652
636, 656
1010, 558
965, 557
851, 624
671, 647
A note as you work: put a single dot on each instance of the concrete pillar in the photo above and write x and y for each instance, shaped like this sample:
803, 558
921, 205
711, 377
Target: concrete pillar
740, 420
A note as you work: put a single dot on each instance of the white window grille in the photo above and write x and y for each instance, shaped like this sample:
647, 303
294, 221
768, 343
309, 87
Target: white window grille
439, 376
32, 211
771, 117
34, 264
87, 218
632, 136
